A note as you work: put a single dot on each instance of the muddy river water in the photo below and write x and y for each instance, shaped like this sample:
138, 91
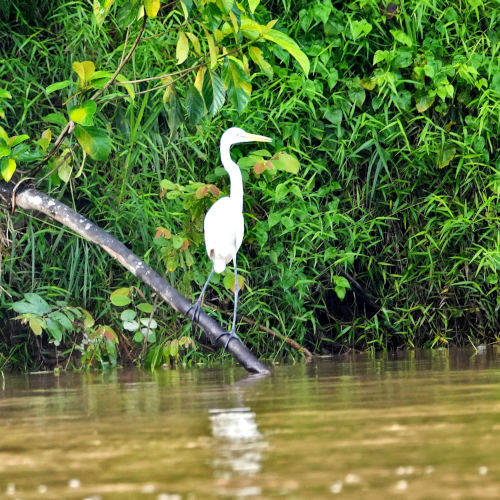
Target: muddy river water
418, 425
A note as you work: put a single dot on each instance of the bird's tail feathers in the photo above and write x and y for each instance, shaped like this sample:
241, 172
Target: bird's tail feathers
219, 265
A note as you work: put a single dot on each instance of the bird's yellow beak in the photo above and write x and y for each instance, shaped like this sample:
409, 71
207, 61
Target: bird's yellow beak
258, 138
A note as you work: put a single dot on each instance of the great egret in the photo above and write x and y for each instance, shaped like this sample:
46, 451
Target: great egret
224, 225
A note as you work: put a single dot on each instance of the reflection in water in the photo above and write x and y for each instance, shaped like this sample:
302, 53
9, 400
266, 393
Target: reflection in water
240, 446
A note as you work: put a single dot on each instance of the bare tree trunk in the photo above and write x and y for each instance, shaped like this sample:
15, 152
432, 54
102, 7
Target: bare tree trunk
31, 199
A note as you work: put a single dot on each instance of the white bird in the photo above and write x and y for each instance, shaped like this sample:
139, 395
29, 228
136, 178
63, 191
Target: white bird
224, 225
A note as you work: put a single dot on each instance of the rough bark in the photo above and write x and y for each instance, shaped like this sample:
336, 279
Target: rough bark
33, 200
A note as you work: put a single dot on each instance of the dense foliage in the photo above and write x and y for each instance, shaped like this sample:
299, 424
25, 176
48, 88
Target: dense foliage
372, 221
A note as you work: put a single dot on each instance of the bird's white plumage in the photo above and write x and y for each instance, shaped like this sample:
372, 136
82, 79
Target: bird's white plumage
224, 228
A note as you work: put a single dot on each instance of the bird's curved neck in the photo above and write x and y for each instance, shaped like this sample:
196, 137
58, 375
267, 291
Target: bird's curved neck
236, 192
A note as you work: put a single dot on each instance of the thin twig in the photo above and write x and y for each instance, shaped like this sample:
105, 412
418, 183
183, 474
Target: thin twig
68, 129
127, 33
292, 343
66, 156
123, 62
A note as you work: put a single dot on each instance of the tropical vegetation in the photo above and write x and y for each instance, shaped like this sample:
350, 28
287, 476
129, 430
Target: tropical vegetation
372, 220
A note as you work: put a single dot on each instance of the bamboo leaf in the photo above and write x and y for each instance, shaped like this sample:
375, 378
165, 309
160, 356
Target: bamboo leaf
57, 86
169, 89
182, 50
200, 77
195, 42
285, 42
212, 49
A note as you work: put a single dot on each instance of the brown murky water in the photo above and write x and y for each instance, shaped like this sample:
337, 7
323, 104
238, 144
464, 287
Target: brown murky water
417, 425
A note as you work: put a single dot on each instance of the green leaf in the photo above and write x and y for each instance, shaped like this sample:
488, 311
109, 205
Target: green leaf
182, 49
257, 57
380, 55
65, 168
152, 7
5, 94
94, 141
8, 167
56, 118
101, 10
225, 5
17, 139
55, 330
195, 105
341, 281
340, 292
128, 86
402, 37
62, 319
120, 300
281, 192
88, 319
360, 28
138, 337
36, 325
229, 281
33, 304
357, 95
447, 154
285, 42
57, 86
128, 315
213, 91
286, 162
145, 307
3, 135
424, 102
173, 348
84, 71
84, 114
4, 150
253, 4
237, 83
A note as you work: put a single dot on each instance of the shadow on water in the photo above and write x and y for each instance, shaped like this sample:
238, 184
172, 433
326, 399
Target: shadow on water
413, 425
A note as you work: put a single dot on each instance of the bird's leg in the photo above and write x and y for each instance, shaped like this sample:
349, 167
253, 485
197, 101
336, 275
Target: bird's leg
197, 305
232, 333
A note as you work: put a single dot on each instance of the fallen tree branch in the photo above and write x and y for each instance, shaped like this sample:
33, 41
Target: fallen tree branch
33, 200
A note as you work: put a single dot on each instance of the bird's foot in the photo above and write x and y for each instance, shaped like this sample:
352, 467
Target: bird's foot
231, 336
196, 308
